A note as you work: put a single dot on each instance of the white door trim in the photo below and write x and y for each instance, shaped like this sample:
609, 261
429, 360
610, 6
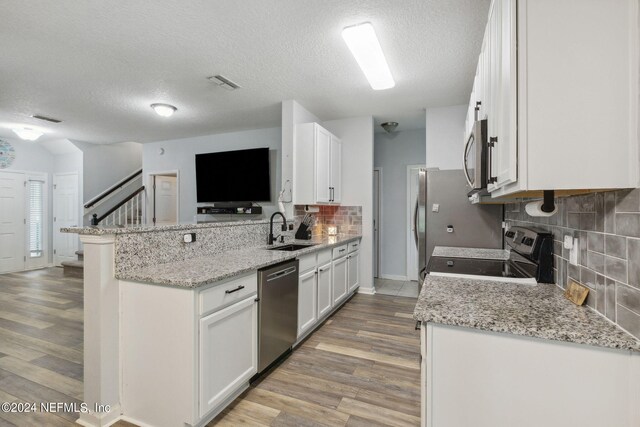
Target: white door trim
380, 223
411, 244
148, 207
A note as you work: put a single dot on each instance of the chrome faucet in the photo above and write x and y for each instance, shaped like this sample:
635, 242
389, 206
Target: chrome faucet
271, 239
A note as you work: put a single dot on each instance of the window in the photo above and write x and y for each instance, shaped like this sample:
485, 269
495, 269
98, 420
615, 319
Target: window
36, 218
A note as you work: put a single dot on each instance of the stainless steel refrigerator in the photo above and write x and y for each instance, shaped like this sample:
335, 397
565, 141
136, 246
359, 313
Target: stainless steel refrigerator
442, 205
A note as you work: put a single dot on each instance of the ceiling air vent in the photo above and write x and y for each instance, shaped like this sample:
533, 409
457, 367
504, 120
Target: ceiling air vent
223, 82
47, 119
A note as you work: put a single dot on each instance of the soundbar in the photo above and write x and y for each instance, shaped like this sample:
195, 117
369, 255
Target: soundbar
213, 210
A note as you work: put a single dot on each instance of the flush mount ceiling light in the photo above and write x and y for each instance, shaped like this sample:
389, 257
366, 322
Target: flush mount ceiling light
164, 110
389, 126
364, 46
28, 134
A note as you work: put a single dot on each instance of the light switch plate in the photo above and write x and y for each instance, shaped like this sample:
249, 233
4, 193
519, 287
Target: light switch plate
568, 241
435, 207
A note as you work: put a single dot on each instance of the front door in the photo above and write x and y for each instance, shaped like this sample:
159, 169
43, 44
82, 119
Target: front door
12, 226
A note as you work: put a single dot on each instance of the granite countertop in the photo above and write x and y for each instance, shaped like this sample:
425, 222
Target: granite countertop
454, 252
101, 231
539, 311
196, 272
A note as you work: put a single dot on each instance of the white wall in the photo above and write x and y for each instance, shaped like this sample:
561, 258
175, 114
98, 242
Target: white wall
179, 155
292, 114
445, 136
357, 182
393, 153
106, 164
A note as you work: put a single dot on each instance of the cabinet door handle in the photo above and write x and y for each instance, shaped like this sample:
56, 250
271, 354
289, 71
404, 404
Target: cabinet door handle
492, 143
341, 250
322, 270
230, 291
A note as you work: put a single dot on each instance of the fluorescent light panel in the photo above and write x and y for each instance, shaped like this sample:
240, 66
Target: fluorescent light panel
363, 43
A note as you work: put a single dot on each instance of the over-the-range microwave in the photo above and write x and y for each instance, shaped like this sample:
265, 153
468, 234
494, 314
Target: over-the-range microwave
475, 158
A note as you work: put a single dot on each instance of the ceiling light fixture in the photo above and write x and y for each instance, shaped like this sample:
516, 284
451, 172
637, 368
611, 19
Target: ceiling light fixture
164, 110
28, 134
389, 126
364, 46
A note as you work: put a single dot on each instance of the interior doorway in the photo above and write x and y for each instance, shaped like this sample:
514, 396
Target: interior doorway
164, 198
413, 174
377, 223
65, 214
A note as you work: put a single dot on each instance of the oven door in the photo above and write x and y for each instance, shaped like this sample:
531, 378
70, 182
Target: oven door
475, 158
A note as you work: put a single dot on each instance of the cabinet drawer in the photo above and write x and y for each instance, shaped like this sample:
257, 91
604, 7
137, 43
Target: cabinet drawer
324, 256
354, 246
307, 262
339, 251
228, 292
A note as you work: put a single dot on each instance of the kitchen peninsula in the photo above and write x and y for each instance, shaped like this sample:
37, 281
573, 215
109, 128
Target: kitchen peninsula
172, 326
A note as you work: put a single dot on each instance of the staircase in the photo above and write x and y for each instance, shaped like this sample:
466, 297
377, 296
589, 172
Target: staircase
74, 268
120, 205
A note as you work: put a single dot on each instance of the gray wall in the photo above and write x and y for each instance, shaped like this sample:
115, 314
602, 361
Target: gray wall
179, 155
393, 153
106, 164
445, 136
608, 228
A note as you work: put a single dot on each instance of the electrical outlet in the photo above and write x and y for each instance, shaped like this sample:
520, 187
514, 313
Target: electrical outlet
189, 238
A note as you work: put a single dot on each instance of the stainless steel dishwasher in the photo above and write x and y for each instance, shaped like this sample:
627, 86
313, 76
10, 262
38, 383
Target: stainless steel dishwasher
277, 311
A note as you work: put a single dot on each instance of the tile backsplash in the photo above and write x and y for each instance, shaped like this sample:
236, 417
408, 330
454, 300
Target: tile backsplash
607, 226
348, 219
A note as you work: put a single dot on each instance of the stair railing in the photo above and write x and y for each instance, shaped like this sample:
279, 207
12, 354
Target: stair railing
127, 212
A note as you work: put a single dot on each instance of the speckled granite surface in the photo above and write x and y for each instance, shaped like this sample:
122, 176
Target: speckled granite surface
539, 311
453, 252
135, 251
196, 272
99, 231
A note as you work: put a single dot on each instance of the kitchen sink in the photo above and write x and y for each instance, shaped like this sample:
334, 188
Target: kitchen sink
291, 247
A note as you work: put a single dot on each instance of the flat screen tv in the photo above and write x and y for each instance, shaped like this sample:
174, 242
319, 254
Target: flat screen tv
233, 176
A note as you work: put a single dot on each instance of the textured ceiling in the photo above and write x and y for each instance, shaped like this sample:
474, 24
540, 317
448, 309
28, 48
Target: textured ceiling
98, 65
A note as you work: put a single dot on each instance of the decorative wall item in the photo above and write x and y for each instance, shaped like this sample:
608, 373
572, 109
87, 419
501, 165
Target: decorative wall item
7, 154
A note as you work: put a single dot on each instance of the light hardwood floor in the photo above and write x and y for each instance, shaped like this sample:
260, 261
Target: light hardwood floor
41, 339
361, 368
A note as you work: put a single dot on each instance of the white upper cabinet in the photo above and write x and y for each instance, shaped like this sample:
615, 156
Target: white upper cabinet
317, 166
557, 81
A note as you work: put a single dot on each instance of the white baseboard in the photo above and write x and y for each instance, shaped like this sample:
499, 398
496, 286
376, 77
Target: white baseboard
393, 277
367, 291
96, 419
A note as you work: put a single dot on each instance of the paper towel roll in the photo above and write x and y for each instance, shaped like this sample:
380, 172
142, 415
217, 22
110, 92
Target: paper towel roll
535, 209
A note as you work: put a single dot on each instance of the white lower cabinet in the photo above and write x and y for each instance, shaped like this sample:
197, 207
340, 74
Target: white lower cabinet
339, 267
325, 300
353, 270
228, 352
307, 301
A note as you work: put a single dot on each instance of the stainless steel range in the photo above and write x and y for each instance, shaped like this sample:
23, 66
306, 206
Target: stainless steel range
530, 260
